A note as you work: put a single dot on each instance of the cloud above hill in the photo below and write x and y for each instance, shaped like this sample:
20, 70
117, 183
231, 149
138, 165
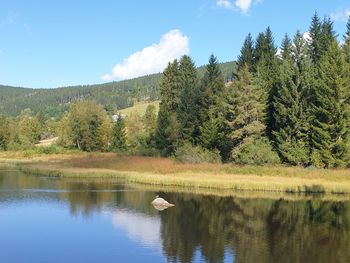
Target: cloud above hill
151, 59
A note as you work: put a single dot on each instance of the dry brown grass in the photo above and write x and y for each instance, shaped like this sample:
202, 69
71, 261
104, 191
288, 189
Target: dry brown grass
168, 172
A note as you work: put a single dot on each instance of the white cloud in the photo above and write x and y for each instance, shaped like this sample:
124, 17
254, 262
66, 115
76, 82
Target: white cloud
342, 15
151, 59
225, 4
242, 5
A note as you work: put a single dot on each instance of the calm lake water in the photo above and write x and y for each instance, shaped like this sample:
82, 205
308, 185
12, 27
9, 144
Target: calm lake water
61, 220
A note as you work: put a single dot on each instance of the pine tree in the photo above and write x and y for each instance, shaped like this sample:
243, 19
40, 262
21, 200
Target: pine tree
315, 33
286, 48
322, 35
328, 34
290, 134
259, 50
330, 123
346, 46
188, 110
211, 107
211, 88
119, 135
247, 54
167, 128
270, 48
245, 109
170, 86
267, 74
167, 131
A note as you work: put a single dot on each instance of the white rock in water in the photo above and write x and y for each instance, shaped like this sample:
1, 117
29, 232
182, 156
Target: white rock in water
161, 202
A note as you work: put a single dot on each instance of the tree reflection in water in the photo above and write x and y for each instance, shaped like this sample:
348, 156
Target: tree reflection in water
250, 229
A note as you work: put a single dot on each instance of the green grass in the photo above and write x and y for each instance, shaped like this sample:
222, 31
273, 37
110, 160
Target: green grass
139, 108
169, 173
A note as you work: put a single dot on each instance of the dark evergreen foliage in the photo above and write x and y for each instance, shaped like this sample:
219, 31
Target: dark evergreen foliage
119, 135
330, 110
246, 56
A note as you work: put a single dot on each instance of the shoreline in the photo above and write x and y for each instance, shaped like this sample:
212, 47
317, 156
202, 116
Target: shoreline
162, 172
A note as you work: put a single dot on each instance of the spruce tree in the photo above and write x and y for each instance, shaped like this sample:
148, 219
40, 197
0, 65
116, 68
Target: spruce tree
259, 50
328, 34
211, 107
245, 108
346, 46
286, 48
188, 109
211, 88
170, 86
267, 74
119, 135
315, 33
167, 131
290, 134
246, 56
330, 122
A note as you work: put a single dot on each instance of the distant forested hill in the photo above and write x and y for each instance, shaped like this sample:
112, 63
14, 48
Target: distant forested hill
122, 94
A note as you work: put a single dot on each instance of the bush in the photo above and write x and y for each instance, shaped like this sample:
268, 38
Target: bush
255, 151
189, 153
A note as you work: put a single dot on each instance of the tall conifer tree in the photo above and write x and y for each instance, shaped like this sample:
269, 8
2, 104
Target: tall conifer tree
286, 48
246, 56
119, 135
346, 46
330, 123
188, 110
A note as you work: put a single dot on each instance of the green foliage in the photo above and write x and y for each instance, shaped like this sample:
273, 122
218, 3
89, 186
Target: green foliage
167, 132
30, 128
246, 56
346, 46
211, 89
286, 48
87, 126
290, 134
189, 153
322, 35
118, 142
150, 119
245, 108
255, 151
187, 111
113, 95
4, 133
330, 122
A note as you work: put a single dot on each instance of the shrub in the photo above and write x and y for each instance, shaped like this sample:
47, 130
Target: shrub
189, 153
255, 151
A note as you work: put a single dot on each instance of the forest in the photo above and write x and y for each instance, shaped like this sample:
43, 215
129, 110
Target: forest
112, 95
287, 105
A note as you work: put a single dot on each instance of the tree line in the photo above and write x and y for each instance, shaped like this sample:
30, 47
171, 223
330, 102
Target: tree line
288, 105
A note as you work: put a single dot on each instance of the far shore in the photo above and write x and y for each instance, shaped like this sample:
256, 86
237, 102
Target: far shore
170, 173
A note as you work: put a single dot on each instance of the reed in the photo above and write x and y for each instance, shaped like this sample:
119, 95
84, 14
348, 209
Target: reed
169, 173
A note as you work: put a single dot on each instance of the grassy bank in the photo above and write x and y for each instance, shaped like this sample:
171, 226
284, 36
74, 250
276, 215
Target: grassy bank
167, 172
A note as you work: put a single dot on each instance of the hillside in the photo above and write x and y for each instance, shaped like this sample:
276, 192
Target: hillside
122, 94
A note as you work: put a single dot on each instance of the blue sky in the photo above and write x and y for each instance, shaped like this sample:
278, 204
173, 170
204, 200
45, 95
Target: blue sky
59, 43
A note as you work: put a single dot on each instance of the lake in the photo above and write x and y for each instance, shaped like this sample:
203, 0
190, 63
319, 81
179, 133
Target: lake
64, 220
